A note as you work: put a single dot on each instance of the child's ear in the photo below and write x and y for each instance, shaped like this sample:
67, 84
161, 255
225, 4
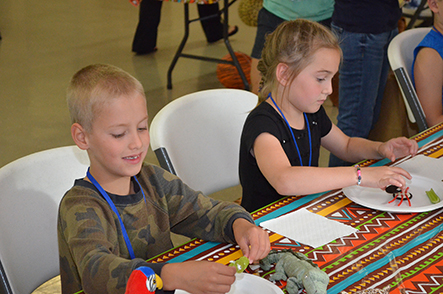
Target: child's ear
282, 74
79, 136
433, 5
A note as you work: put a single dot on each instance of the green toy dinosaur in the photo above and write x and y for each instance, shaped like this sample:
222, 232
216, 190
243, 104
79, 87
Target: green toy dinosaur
299, 271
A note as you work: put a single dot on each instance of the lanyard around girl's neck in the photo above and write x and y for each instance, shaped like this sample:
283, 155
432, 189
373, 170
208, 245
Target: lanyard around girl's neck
292, 133
435, 29
112, 205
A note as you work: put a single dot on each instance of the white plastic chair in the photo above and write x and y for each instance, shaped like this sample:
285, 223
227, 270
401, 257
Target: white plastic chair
401, 55
197, 137
31, 189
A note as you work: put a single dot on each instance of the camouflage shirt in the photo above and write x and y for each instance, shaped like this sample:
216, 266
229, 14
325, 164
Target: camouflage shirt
93, 254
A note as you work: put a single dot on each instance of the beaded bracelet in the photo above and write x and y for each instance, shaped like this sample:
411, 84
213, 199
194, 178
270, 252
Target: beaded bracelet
358, 174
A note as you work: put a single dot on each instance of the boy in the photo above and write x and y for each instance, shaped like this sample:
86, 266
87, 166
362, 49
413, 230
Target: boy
123, 211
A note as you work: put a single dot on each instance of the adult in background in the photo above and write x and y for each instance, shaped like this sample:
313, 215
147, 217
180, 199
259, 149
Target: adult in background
365, 28
273, 13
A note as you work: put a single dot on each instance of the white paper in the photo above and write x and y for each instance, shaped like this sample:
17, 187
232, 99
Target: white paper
308, 228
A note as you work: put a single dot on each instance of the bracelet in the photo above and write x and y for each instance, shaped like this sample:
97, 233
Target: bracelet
358, 174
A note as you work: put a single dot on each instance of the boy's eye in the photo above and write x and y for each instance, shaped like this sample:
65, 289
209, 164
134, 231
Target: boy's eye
118, 135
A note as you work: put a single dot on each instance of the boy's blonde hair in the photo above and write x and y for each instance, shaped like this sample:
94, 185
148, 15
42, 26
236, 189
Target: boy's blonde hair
94, 86
293, 43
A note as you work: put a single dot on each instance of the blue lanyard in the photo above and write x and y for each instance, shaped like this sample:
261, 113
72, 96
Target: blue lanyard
112, 205
435, 29
292, 133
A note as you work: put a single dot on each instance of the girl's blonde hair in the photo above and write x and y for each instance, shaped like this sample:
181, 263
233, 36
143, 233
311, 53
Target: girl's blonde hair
293, 43
94, 86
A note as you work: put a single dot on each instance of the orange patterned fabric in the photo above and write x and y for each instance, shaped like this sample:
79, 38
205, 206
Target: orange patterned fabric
400, 252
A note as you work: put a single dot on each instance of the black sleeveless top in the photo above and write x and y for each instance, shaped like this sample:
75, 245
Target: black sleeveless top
257, 192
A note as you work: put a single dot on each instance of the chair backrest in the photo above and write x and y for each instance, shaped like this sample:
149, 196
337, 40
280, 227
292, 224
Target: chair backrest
401, 55
197, 137
31, 189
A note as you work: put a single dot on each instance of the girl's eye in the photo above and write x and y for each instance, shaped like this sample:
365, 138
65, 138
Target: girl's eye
143, 129
321, 79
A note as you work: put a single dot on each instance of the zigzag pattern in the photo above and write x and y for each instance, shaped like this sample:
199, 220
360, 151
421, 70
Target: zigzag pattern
432, 286
367, 231
397, 268
403, 251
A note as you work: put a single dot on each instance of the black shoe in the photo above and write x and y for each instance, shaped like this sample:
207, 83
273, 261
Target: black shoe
146, 52
234, 31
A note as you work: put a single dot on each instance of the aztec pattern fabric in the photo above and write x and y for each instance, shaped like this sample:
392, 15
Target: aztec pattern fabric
399, 252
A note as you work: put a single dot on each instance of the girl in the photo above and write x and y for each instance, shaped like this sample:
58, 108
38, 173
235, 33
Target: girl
281, 137
427, 68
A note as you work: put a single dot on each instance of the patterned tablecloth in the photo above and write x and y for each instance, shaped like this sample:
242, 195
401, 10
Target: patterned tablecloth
403, 251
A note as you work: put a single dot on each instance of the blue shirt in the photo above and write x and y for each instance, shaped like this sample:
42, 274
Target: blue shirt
434, 40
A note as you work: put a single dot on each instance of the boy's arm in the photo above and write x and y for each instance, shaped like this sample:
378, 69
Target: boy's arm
193, 214
214, 220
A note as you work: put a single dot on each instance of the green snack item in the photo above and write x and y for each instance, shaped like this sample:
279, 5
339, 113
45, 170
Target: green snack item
240, 264
432, 196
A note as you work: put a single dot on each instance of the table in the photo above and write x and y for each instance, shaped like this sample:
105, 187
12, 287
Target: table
403, 251
180, 53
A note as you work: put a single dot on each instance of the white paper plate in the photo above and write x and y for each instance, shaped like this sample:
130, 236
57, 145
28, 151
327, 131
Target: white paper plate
249, 284
378, 199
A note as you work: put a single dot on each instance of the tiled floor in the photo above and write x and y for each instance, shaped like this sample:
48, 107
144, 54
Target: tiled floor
45, 42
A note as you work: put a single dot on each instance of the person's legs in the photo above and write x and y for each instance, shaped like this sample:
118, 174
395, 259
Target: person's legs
363, 75
383, 77
213, 26
326, 22
145, 38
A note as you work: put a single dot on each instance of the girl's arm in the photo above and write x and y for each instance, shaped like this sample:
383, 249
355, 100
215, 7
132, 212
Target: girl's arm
428, 75
350, 149
357, 149
296, 180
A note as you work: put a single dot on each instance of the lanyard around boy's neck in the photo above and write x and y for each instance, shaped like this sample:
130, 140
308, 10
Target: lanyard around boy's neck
112, 205
292, 132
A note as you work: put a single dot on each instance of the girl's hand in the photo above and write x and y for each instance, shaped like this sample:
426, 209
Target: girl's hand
397, 147
380, 177
198, 277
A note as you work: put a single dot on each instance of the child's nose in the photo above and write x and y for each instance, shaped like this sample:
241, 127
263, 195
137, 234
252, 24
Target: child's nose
136, 141
328, 89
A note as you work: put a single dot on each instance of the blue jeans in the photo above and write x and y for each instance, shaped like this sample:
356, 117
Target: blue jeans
363, 75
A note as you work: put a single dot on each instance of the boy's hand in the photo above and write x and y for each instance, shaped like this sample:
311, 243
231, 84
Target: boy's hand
253, 240
398, 147
198, 277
